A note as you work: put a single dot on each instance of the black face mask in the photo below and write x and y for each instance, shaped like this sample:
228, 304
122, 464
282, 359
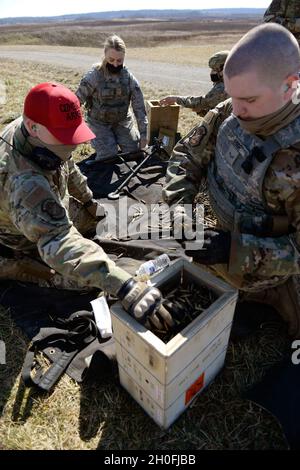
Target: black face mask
45, 159
49, 157
112, 69
41, 153
214, 76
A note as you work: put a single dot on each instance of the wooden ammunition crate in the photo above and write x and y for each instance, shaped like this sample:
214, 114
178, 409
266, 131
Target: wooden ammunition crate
165, 378
161, 117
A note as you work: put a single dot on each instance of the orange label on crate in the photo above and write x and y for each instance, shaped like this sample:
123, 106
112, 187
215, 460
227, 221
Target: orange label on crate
194, 388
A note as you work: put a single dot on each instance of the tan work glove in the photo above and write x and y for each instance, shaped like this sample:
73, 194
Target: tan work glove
182, 222
143, 302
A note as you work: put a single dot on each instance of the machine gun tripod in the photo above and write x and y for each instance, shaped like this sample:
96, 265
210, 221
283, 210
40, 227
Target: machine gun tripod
157, 147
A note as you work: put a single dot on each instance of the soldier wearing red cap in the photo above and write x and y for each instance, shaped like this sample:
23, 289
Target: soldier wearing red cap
46, 205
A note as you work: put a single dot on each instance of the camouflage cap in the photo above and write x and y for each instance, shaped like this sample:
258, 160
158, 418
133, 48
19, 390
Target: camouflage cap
217, 61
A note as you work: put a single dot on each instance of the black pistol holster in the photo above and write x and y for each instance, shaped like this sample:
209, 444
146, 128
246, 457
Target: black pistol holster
69, 349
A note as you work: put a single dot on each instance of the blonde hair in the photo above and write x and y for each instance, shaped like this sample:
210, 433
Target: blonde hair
270, 50
112, 42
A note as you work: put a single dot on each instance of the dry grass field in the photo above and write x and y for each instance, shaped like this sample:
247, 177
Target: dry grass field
145, 33
99, 414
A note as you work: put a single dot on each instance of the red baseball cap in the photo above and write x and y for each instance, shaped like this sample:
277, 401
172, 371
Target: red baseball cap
58, 109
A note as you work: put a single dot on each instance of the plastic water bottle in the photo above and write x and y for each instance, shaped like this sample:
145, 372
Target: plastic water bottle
150, 267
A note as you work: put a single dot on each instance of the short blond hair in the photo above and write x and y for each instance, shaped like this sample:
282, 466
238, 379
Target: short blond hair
270, 50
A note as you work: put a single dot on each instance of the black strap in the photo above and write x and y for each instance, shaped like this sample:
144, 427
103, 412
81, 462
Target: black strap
79, 331
126, 287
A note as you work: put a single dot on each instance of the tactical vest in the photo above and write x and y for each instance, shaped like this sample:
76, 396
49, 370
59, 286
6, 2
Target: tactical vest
111, 98
236, 174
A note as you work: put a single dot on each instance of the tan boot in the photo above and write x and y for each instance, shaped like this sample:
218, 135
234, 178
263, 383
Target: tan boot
285, 298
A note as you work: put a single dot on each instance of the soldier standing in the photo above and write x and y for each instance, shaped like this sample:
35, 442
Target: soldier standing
107, 91
286, 13
250, 159
202, 104
46, 205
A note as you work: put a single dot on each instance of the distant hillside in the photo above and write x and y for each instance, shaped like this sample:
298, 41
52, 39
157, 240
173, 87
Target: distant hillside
163, 14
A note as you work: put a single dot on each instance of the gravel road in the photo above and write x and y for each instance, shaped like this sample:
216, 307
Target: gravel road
184, 80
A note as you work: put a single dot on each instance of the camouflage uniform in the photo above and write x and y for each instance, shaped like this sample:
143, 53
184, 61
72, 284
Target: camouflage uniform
217, 94
216, 152
40, 215
202, 104
286, 13
107, 99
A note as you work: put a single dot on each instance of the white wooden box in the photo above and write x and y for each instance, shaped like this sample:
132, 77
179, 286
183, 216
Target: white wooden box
164, 378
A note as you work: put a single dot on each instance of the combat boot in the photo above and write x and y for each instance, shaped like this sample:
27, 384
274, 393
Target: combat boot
285, 299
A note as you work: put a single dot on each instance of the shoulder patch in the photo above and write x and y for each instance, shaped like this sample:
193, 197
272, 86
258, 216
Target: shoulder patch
53, 209
197, 136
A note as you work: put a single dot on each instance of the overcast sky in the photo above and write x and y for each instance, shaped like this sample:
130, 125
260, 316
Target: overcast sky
62, 7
